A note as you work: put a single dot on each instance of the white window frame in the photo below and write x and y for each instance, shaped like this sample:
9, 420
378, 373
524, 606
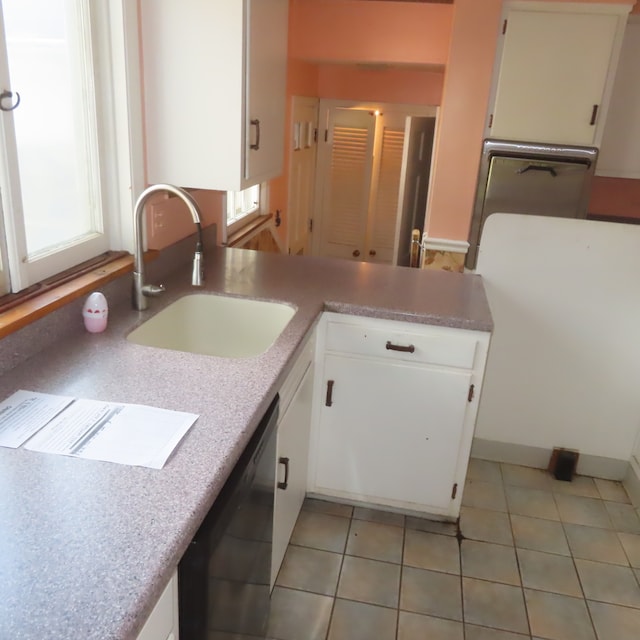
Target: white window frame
235, 221
115, 48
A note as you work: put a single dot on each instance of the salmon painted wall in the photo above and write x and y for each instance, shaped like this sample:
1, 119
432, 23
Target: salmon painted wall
461, 122
391, 84
356, 31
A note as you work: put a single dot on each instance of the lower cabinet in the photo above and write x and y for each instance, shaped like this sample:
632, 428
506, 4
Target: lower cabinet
292, 453
162, 623
395, 408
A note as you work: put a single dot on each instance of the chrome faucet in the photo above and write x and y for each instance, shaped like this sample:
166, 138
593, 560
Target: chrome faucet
141, 290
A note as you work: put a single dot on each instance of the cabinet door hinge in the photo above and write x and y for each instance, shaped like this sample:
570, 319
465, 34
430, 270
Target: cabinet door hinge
326, 135
315, 134
504, 27
454, 491
490, 121
310, 225
472, 390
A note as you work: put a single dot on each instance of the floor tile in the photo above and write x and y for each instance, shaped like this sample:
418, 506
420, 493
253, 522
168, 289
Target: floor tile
592, 543
612, 491
484, 471
330, 508
485, 633
369, 581
310, 570
518, 476
539, 534
431, 551
490, 604
432, 526
615, 623
631, 545
623, 516
359, 621
558, 617
484, 495
578, 486
293, 610
548, 572
608, 583
413, 626
320, 531
375, 541
485, 525
431, 593
374, 515
580, 510
535, 503
490, 561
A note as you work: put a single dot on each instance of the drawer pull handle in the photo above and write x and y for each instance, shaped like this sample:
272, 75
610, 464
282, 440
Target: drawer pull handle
285, 462
398, 347
328, 401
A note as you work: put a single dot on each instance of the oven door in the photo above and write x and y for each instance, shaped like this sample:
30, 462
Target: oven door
530, 179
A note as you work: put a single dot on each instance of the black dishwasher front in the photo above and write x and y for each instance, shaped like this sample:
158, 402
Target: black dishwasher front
224, 576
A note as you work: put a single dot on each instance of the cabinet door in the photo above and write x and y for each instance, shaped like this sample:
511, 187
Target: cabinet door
266, 88
620, 151
391, 433
293, 446
553, 73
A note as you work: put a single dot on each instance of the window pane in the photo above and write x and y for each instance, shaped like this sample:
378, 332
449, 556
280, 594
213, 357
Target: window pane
55, 119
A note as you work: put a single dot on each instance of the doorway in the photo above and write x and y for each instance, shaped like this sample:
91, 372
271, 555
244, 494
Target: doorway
362, 166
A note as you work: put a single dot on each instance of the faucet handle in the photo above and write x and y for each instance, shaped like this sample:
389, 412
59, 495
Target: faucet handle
152, 290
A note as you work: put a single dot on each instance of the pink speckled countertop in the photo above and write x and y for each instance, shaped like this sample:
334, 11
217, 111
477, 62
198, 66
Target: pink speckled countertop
87, 547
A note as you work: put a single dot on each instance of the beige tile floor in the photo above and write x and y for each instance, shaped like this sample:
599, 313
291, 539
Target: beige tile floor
538, 559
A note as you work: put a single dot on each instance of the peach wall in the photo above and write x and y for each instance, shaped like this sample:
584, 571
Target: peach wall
400, 85
356, 31
615, 197
461, 122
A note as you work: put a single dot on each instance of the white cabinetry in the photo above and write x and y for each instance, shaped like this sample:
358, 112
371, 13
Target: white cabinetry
214, 91
395, 408
296, 396
620, 151
162, 623
554, 71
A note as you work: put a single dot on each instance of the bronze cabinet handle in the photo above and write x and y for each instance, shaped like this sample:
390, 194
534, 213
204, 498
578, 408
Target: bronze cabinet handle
398, 347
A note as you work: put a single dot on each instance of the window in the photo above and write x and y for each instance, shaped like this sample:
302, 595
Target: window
59, 155
240, 204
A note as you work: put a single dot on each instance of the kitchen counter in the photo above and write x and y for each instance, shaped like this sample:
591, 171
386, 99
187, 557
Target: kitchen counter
87, 547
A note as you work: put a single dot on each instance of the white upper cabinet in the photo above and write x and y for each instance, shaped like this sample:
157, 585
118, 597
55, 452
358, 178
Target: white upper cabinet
214, 91
554, 71
620, 151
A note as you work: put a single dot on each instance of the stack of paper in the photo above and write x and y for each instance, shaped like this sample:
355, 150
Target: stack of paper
115, 432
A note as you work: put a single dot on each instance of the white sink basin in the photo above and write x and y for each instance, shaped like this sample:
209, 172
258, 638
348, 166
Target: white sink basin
215, 325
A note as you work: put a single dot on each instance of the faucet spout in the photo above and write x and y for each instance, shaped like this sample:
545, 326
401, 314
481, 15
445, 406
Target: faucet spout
141, 290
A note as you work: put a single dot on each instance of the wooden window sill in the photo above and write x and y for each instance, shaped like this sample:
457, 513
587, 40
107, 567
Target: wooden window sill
37, 307
244, 232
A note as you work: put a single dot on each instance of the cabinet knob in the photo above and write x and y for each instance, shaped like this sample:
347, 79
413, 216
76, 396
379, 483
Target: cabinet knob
356, 253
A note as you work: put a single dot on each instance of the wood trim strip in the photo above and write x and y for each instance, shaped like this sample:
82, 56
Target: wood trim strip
37, 307
249, 229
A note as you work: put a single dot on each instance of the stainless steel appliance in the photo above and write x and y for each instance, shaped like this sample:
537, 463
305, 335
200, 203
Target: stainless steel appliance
224, 576
530, 178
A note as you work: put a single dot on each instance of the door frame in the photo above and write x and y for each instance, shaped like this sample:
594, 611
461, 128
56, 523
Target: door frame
323, 151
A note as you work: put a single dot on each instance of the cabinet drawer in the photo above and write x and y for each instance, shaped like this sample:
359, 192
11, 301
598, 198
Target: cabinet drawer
400, 341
